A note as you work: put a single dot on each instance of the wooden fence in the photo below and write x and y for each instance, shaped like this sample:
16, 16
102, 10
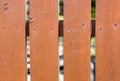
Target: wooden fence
43, 29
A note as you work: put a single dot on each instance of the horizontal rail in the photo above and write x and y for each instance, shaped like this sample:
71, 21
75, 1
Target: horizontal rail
61, 28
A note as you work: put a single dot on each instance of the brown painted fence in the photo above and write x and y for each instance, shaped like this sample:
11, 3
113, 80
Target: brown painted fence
44, 28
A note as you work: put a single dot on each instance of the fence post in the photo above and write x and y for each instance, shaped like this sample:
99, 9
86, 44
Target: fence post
12, 40
77, 40
108, 40
44, 40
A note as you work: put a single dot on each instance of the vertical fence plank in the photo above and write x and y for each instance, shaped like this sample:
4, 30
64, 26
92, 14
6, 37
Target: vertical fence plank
77, 40
108, 40
44, 40
12, 40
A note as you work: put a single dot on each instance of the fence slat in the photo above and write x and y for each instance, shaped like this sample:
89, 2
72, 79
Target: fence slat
44, 40
108, 40
77, 40
12, 40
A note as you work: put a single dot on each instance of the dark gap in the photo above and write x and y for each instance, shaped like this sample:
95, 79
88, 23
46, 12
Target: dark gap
60, 28
61, 59
28, 56
93, 9
93, 39
28, 71
28, 40
27, 28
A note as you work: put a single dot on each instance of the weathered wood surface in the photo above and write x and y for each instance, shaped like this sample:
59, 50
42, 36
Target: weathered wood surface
12, 40
77, 40
108, 40
44, 40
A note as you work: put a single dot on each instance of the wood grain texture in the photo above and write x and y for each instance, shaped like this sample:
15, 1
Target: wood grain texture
12, 40
77, 40
108, 40
44, 40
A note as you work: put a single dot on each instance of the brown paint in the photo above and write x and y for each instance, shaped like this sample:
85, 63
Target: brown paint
44, 40
77, 40
108, 40
12, 40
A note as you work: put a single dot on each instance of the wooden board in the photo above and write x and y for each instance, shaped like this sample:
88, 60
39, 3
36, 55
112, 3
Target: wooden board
12, 40
77, 40
108, 40
44, 40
